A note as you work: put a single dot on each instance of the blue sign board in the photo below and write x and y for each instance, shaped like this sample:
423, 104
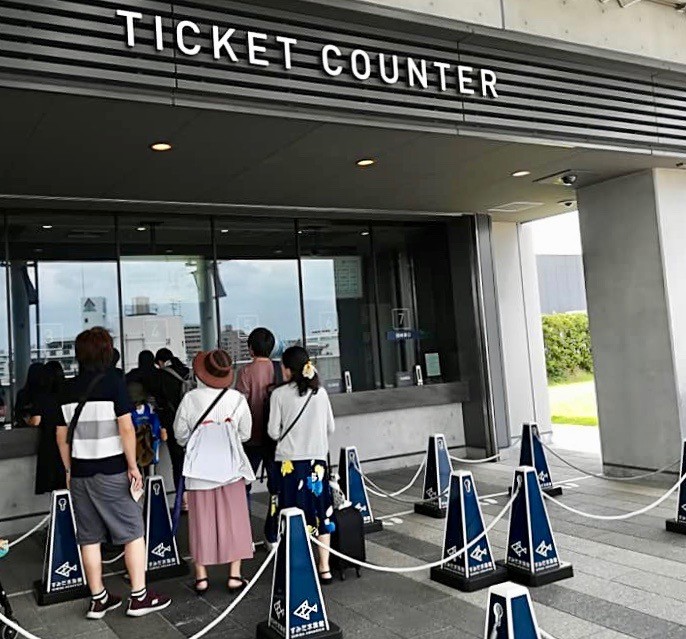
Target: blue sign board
160, 542
62, 568
297, 607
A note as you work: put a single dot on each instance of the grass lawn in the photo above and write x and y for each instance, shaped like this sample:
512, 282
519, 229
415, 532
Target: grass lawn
574, 402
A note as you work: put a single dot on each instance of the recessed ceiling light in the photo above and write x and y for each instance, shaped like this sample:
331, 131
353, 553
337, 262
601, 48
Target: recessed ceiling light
365, 162
47, 226
168, 251
225, 230
521, 173
364, 233
161, 147
142, 228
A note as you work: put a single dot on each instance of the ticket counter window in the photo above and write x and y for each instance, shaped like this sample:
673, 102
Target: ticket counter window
167, 283
257, 283
415, 302
62, 280
338, 295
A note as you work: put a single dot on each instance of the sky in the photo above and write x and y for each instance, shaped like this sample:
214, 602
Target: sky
558, 235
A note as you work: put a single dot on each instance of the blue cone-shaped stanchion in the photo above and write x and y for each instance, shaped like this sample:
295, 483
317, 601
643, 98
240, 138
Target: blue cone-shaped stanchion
296, 607
352, 484
474, 569
678, 524
436, 479
510, 614
532, 557
532, 453
161, 550
63, 576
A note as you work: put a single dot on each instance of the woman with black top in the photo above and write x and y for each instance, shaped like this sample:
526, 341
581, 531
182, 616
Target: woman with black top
46, 415
36, 385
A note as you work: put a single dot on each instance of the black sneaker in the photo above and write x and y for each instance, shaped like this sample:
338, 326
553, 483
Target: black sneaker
149, 602
100, 607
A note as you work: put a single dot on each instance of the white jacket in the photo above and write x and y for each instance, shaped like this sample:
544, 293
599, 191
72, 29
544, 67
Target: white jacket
232, 410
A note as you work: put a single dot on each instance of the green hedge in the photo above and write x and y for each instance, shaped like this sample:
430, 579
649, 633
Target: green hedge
567, 345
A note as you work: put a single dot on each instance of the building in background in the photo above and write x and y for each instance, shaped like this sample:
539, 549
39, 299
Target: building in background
561, 283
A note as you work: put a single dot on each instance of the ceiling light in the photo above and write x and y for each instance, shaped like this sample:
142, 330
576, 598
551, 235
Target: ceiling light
161, 147
365, 162
225, 230
521, 173
142, 228
47, 226
364, 233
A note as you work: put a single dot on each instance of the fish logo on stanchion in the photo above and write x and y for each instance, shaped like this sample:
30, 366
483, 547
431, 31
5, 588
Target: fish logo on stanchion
478, 553
498, 613
519, 549
543, 549
431, 493
543, 477
62, 504
66, 569
278, 609
452, 551
160, 550
305, 610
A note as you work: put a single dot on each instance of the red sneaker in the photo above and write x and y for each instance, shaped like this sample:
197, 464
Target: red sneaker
149, 602
100, 607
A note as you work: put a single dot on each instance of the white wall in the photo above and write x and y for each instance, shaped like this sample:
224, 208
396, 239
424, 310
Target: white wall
520, 326
646, 29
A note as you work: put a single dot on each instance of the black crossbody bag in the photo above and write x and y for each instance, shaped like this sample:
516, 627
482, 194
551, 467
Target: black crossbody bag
83, 400
295, 421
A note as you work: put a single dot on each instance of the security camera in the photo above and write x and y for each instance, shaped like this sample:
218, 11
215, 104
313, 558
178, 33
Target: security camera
568, 203
569, 179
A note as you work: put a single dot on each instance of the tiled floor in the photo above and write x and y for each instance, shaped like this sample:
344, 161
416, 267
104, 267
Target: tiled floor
630, 577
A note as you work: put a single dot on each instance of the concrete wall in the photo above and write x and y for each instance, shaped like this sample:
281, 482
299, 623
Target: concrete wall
520, 326
645, 29
377, 435
633, 231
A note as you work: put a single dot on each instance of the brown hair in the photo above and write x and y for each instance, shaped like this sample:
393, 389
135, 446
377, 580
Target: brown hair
94, 349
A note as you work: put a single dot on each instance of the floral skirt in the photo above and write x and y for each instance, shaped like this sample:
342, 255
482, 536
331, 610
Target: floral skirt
303, 485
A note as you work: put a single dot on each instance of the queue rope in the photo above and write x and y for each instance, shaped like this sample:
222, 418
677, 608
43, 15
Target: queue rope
33, 530
227, 611
659, 471
107, 562
624, 516
376, 490
435, 564
476, 461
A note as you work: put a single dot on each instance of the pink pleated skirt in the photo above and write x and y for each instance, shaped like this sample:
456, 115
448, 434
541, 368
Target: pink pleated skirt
219, 525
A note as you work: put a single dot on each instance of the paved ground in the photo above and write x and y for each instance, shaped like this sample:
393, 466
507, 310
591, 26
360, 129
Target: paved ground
630, 576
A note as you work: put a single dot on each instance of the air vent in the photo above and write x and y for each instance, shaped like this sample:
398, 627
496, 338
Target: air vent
515, 207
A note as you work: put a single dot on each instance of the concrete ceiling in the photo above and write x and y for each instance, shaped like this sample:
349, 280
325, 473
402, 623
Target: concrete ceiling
75, 147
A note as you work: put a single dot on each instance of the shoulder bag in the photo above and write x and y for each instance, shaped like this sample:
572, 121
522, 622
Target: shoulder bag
83, 400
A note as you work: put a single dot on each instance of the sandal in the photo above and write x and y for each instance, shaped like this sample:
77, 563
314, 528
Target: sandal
201, 591
325, 581
244, 583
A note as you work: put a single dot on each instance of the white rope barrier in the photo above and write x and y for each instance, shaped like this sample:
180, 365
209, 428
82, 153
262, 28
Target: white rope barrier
476, 461
603, 475
435, 564
397, 492
36, 528
107, 562
545, 635
228, 610
624, 516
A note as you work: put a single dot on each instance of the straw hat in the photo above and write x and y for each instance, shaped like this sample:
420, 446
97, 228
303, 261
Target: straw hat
214, 368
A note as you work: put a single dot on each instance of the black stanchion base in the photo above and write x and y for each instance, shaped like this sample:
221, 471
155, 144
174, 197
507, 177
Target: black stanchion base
449, 578
373, 526
525, 578
675, 526
430, 509
265, 632
171, 572
555, 491
44, 598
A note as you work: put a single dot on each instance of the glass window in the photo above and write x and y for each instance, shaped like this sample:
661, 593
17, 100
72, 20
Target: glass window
416, 313
257, 283
5, 362
337, 273
63, 279
167, 282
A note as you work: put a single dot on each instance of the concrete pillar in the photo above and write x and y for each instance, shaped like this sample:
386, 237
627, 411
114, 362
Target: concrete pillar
633, 231
21, 322
519, 309
208, 316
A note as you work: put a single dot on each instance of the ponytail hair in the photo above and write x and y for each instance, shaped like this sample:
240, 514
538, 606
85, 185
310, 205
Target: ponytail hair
303, 372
